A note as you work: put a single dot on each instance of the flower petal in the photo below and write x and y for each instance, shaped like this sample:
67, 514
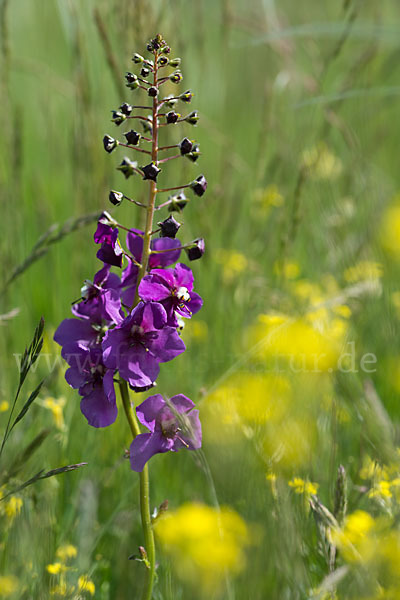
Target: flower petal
144, 446
148, 409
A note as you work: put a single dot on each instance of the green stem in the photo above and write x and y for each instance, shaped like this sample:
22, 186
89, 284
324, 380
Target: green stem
144, 497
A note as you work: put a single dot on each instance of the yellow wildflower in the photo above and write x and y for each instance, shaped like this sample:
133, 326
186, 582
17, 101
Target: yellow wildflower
203, 542
363, 270
8, 585
56, 408
4, 406
390, 229
321, 163
233, 263
289, 269
65, 552
266, 198
13, 507
60, 589
86, 585
381, 489
55, 568
303, 487
354, 539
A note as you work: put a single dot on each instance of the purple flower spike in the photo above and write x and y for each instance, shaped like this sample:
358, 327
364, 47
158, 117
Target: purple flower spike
170, 252
173, 288
173, 425
94, 382
110, 251
140, 343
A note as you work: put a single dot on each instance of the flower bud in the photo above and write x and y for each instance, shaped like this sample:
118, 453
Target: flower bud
145, 72
150, 47
115, 197
106, 219
175, 62
118, 117
137, 58
185, 146
195, 249
132, 81
194, 154
126, 109
150, 171
166, 50
163, 61
147, 126
178, 202
192, 117
127, 167
169, 227
152, 91
109, 143
132, 137
157, 42
176, 77
199, 185
186, 96
170, 101
172, 117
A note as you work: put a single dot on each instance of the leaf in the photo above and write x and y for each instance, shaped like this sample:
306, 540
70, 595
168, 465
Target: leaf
27, 404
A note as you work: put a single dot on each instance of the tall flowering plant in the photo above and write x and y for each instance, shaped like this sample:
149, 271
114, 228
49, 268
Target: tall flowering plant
127, 323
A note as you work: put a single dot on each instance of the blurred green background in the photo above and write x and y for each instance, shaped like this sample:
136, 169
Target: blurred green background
299, 133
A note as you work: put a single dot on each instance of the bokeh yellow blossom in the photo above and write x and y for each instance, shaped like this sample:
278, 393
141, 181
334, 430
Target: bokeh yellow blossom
390, 229
13, 507
56, 407
363, 270
65, 552
354, 539
267, 198
4, 406
321, 163
232, 263
86, 585
302, 486
204, 543
8, 585
55, 568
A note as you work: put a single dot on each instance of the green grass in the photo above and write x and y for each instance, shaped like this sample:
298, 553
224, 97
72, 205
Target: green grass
272, 80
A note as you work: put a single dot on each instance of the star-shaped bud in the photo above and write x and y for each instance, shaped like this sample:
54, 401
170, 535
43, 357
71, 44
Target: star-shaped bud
175, 62
152, 91
127, 167
137, 58
178, 202
118, 117
186, 96
145, 72
199, 185
109, 143
194, 154
132, 137
115, 197
132, 81
195, 249
176, 77
192, 117
150, 171
185, 146
169, 227
172, 116
126, 109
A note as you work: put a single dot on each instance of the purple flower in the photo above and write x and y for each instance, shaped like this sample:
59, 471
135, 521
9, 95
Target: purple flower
170, 252
100, 299
110, 251
173, 288
140, 343
173, 425
94, 382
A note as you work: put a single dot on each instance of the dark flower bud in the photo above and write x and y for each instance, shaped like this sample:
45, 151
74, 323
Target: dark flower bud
172, 116
147, 127
115, 197
150, 171
199, 185
176, 77
145, 72
163, 61
157, 42
126, 109
170, 101
169, 227
150, 47
137, 58
127, 167
194, 154
106, 219
118, 117
192, 117
195, 250
178, 202
109, 143
175, 62
152, 91
132, 81
185, 146
166, 50
186, 96
132, 137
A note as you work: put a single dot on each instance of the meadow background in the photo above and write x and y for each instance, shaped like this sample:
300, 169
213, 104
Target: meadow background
299, 131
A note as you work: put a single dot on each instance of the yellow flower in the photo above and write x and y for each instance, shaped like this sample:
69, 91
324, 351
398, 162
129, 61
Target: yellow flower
4, 406
13, 507
8, 585
289, 269
55, 568
86, 585
381, 490
56, 408
266, 198
364, 270
321, 163
303, 487
390, 229
233, 263
60, 589
65, 552
203, 542
354, 539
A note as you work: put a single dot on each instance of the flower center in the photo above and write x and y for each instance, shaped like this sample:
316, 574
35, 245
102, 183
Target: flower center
182, 294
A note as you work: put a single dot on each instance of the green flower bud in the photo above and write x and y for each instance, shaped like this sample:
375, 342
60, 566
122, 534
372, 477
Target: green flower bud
175, 62
178, 202
137, 58
118, 117
132, 81
192, 117
163, 61
127, 167
186, 96
176, 77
